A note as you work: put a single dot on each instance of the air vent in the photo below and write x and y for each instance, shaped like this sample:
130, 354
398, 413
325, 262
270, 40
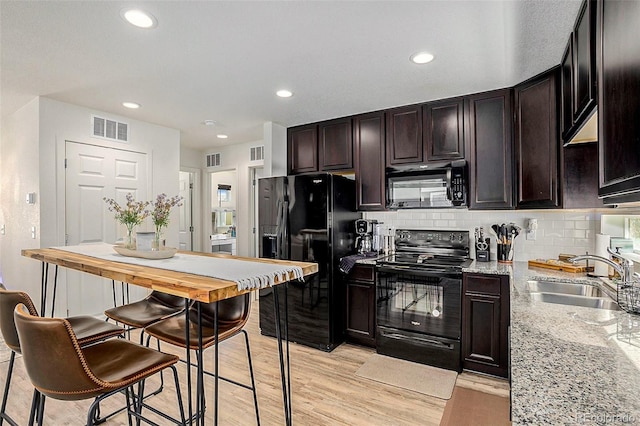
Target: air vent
213, 160
110, 129
257, 153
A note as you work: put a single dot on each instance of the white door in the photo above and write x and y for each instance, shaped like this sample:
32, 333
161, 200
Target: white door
94, 172
186, 211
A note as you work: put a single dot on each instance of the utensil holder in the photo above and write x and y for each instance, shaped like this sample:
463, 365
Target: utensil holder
504, 252
483, 255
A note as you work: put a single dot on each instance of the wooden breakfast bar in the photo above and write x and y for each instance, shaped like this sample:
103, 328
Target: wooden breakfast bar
190, 286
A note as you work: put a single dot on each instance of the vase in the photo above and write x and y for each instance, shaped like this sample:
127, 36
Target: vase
158, 243
129, 242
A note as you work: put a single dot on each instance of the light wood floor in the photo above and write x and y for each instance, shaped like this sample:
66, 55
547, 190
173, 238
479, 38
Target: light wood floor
325, 389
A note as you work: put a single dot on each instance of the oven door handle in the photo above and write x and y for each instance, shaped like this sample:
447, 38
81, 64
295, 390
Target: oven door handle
431, 272
423, 340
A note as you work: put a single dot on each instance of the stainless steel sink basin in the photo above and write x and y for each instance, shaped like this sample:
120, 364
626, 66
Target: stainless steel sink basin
573, 300
564, 288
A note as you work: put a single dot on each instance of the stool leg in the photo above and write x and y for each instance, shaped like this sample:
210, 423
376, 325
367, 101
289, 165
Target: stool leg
34, 404
6, 388
253, 382
41, 409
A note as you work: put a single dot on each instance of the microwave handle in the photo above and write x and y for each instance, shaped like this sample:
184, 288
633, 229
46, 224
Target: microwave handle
449, 190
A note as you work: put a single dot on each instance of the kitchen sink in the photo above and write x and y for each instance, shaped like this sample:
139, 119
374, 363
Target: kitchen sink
567, 293
564, 288
573, 300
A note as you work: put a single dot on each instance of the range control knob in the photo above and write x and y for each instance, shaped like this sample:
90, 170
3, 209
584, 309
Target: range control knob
452, 237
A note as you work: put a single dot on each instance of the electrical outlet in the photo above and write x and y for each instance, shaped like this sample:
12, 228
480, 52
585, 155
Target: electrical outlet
2, 230
33, 232
531, 235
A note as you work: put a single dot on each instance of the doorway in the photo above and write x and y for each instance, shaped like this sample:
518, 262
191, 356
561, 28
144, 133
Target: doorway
186, 230
222, 212
256, 173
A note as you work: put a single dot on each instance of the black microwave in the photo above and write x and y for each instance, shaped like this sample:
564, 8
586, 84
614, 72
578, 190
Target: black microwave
427, 186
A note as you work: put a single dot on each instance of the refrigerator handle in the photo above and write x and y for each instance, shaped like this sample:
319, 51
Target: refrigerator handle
279, 230
285, 230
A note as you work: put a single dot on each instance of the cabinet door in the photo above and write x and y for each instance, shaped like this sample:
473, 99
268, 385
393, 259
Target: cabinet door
566, 89
580, 176
303, 149
619, 103
584, 44
485, 323
490, 153
361, 307
536, 140
335, 145
368, 130
404, 136
444, 130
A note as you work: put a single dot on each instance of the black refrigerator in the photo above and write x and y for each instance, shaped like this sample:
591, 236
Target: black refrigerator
308, 218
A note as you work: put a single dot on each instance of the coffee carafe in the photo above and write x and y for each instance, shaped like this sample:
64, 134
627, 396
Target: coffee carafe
363, 243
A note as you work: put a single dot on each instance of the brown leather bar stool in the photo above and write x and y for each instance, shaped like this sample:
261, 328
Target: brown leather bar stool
59, 368
232, 316
155, 307
88, 330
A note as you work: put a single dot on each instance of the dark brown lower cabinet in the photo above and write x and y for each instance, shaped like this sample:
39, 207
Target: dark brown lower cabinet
485, 323
361, 305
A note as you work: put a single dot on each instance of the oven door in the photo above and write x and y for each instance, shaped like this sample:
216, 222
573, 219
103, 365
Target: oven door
420, 301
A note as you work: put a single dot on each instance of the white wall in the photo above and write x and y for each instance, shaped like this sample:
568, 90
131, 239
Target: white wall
275, 149
33, 151
235, 157
20, 174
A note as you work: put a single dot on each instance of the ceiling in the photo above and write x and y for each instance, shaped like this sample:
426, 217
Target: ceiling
224, 60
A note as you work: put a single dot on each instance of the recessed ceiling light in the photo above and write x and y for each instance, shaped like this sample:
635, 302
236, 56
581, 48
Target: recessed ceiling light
421, 58
222, 136
131, 105
209, 123
284, 93
139, 18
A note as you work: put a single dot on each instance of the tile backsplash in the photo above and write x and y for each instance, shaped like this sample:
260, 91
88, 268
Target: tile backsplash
559, 231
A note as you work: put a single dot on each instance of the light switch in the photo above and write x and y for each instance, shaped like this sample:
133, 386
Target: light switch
31, 197
33, 232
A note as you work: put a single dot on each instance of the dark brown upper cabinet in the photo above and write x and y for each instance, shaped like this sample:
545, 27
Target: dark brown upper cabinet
584, 46
404, 136
619, 103
578, 79
536, 141
489, 144
566, 89
368, 136
443, 136
335, 145
302, 143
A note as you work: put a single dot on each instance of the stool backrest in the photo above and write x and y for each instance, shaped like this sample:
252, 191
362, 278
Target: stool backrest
231, 311
167, 299
53, 358
8, 302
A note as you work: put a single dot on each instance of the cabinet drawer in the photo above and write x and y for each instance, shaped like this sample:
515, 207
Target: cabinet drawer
363, 273
484, 284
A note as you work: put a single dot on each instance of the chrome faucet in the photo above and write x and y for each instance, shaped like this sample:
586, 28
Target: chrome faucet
623, 268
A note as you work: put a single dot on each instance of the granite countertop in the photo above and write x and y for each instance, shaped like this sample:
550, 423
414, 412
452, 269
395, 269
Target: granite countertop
569, 364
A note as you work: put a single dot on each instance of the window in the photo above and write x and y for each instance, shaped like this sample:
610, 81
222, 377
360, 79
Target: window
632, 231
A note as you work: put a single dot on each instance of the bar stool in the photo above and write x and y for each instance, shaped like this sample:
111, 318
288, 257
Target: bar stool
59, 368
232, 313
88, 330
155, 307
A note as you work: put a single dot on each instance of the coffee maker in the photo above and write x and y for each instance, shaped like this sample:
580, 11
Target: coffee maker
365, 240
